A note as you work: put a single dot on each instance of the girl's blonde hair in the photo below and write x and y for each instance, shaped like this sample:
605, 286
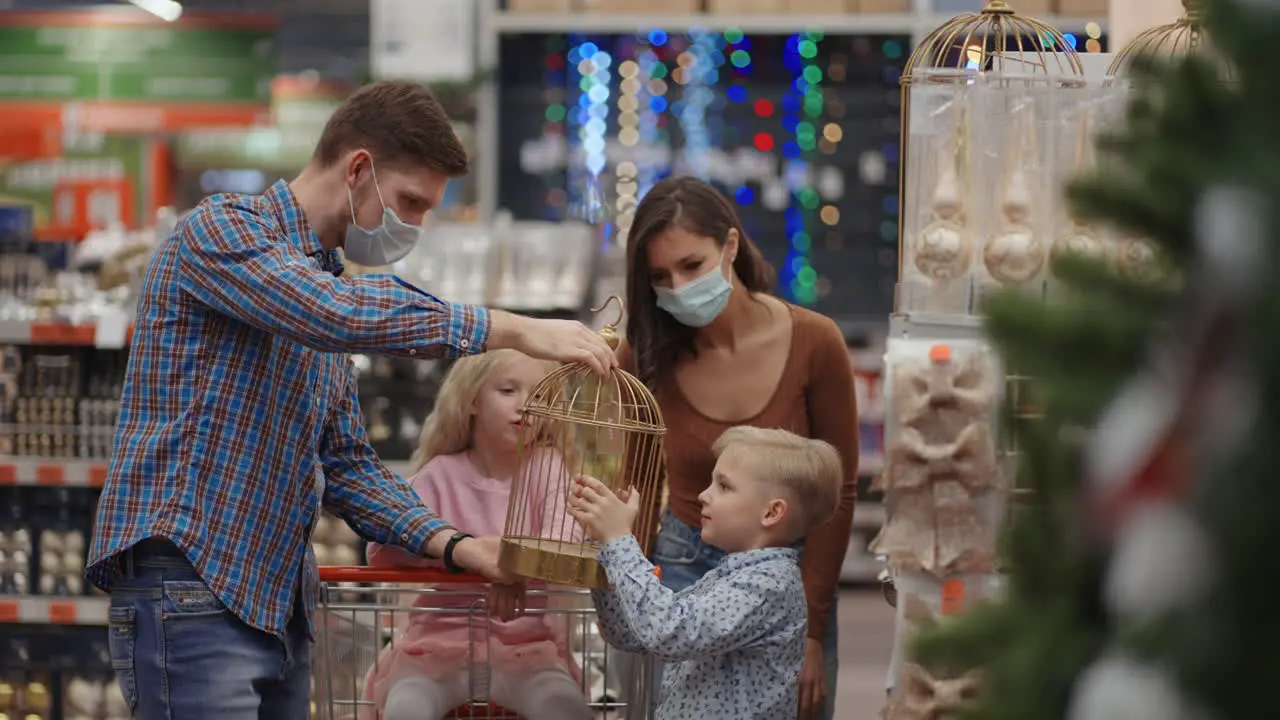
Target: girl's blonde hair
447, 430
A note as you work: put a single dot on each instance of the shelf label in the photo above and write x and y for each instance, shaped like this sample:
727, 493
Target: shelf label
61, 334
63, 612
97, 475
952, 597
52, 475
9, 612
112, 330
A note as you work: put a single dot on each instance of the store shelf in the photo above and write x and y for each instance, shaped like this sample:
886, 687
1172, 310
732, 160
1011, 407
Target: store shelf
22, 332
37, 610
52, 472
934, 326
844, 23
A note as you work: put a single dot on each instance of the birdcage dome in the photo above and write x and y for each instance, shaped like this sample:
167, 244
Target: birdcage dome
996, 38
1185, 36
575, 393
577, 422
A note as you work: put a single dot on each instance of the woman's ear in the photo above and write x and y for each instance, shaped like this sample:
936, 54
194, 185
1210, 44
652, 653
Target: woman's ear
731, 242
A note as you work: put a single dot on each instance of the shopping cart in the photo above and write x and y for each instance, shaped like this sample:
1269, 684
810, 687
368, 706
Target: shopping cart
362, 611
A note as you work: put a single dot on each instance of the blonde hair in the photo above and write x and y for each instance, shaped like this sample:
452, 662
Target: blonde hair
808, 470
447, 430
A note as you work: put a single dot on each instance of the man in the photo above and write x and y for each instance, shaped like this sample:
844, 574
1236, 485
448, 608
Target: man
239, 418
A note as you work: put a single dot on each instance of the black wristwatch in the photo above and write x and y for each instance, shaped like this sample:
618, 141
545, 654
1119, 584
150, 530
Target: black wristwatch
449, 564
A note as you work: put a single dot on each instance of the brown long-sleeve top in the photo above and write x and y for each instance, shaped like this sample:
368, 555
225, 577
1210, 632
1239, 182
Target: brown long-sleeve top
815, 398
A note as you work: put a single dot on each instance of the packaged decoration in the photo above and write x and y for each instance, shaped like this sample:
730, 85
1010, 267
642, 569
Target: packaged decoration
1012, 156
941, 479
938, 243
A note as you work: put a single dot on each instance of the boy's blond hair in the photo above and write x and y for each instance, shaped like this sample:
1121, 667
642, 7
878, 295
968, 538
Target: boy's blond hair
809, 471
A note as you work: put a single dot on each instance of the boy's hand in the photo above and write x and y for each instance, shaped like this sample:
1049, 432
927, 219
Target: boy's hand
602, 514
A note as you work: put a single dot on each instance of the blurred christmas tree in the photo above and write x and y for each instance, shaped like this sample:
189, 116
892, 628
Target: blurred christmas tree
1136, 570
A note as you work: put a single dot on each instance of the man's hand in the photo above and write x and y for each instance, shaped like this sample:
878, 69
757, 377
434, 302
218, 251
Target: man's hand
506, 602
813, 681
602, 514
480, 555
559, 340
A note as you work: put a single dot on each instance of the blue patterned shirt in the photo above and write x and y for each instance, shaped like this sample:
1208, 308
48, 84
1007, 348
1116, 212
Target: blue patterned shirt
238, 389
734, 641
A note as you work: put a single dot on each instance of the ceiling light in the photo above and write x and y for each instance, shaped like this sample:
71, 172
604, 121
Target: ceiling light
167, 10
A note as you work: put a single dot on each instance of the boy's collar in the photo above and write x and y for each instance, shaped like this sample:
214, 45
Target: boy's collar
751, 557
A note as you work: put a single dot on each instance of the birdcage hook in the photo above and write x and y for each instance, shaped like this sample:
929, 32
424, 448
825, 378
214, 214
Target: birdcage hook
610, 331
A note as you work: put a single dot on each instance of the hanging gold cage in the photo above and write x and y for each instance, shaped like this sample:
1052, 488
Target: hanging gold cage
1184, 36
576, 422
994, 41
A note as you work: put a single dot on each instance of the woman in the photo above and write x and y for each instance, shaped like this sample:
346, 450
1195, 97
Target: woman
718, 350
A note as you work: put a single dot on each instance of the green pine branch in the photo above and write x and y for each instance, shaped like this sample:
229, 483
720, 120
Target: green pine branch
1081, 349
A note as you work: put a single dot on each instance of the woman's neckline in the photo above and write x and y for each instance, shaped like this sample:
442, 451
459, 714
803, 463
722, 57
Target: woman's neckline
773, 397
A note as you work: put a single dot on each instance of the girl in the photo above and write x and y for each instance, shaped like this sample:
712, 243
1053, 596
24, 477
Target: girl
718, 350
467, 457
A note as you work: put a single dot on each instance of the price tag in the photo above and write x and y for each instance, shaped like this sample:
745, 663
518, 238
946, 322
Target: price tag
952, 597
112, 330
51, 475
9, 611
62, 612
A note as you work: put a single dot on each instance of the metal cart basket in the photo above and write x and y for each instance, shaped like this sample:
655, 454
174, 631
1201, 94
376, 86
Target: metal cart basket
363, 612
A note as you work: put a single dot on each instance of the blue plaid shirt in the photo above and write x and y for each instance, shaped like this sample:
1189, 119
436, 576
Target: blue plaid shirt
238, 389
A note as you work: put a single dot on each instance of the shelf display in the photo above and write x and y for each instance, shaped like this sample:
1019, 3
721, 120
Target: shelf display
997, 116
941, 479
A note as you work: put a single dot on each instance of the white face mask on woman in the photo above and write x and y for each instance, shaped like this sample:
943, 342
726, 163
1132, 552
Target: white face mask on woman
698, 302
388, 243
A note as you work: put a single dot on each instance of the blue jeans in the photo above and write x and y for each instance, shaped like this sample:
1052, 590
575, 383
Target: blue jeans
684, 558
179, 654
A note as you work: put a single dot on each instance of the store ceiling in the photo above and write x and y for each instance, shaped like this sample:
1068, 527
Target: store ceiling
329, 36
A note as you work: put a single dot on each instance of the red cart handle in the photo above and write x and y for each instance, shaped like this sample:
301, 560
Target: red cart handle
358, 574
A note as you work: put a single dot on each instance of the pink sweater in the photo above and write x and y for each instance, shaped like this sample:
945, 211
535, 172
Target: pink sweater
435, 643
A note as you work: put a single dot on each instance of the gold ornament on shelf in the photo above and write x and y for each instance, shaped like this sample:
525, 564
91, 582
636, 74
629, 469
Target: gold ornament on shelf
995, 40
1136, 258
578, 423
943, 248
1081, 239
1015, 254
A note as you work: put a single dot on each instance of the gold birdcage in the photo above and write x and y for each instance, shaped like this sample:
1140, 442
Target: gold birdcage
994, 41
578, 423
1184, 36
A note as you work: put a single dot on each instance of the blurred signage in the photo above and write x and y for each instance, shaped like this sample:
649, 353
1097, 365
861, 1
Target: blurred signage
125, 71
300, 107
423, 41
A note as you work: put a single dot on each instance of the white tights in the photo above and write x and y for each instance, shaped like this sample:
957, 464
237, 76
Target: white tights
541, 695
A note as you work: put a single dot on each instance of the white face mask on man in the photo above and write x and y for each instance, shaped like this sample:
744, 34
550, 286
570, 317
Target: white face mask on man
388, 243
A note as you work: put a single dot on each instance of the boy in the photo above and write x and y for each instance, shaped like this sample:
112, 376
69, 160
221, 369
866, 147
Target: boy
734, 640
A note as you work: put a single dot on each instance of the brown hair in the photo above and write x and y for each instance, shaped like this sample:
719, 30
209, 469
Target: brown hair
657, 340
400, 124
808, 470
